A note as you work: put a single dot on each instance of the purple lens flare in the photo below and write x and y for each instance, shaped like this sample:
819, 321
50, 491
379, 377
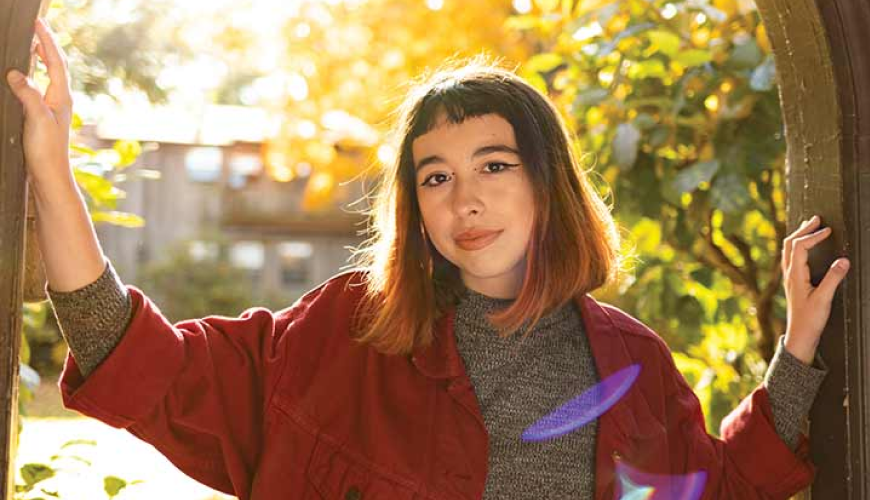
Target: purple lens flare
631, 491
633, 484
584, 408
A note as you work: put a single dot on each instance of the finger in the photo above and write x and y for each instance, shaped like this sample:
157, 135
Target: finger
788, 242
25, 91
40, 51
55, 62
808, 227
832, 280
800, 253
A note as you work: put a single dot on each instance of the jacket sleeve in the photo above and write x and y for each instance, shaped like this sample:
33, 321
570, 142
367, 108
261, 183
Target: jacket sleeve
195, 390
750, 461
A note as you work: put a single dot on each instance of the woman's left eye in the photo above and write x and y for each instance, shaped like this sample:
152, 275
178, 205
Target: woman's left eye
497, 166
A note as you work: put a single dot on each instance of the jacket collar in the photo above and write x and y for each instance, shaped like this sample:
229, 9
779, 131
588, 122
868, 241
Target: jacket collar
616, 427
441, 358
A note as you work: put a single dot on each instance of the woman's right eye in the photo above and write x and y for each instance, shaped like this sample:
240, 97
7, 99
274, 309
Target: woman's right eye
426, 182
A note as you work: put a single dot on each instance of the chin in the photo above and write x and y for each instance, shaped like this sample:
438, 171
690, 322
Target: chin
486, 272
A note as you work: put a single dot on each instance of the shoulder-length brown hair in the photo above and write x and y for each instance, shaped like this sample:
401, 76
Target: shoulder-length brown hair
574, 247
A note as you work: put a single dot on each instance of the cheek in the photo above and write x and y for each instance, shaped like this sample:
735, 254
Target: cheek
433, 218
525, 212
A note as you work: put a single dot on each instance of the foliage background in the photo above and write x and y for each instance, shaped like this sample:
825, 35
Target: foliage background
676, 109
674, 104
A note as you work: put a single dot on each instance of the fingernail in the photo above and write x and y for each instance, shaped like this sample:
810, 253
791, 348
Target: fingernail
14, 77
843, 265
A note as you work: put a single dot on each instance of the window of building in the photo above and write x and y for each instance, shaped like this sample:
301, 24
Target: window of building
244, 167
203, 164
250, 256
295, 261
203, 250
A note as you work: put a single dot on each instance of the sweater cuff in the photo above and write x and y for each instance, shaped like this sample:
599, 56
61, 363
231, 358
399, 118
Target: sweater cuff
93, 318
792, 386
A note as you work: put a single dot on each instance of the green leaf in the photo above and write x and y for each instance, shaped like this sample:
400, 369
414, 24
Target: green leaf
76, 122
543, 63
647, 235
663, 41
644, 121
72, 457
730, 194
694, 175
591, 97
83, 149
123, 219
746, 55
764, 76
651, 68
625, 145
76, 442
128, 152
113, 485
536, 81
99, 189
34, 473
693, 57
659, 135
669, 192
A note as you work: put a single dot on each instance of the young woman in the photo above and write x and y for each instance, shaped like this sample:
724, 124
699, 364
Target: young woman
417, 373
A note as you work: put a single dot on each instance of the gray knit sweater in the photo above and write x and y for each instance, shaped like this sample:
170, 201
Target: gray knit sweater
517, 381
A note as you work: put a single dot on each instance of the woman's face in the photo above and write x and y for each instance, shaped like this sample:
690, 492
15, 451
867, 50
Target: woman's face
470, 177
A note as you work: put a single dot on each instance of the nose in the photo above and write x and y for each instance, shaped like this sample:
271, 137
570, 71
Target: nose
466, 198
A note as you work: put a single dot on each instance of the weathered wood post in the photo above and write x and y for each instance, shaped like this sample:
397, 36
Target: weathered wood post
16, 33
824, 80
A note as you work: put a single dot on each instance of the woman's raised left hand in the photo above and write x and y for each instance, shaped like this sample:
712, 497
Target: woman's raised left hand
808, 307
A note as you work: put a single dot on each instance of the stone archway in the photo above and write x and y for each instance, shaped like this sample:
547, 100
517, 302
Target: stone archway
824, 82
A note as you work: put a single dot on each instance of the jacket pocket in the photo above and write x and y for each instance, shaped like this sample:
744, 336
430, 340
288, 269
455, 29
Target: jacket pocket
336, 473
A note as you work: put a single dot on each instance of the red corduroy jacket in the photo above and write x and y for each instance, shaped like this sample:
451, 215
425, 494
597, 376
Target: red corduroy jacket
286, 406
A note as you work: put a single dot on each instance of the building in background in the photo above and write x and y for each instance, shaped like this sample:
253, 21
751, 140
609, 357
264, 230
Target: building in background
213, 187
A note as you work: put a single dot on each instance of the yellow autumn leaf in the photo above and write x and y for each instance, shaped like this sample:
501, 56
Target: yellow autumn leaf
547, 5
762, 39
729, 7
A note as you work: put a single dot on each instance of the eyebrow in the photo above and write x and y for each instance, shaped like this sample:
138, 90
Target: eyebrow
481, 151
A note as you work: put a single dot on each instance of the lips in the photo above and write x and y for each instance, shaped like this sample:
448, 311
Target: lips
475, 240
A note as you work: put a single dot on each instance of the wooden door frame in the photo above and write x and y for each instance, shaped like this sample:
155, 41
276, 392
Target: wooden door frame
16, 32
823, 73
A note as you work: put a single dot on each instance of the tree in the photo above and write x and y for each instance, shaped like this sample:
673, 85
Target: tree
335, 71
676, 110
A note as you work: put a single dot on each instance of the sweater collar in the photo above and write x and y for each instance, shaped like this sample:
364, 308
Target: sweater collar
441, 358
474, 307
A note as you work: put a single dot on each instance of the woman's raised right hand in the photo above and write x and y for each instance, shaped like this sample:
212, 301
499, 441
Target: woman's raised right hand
71, 252
47, 117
